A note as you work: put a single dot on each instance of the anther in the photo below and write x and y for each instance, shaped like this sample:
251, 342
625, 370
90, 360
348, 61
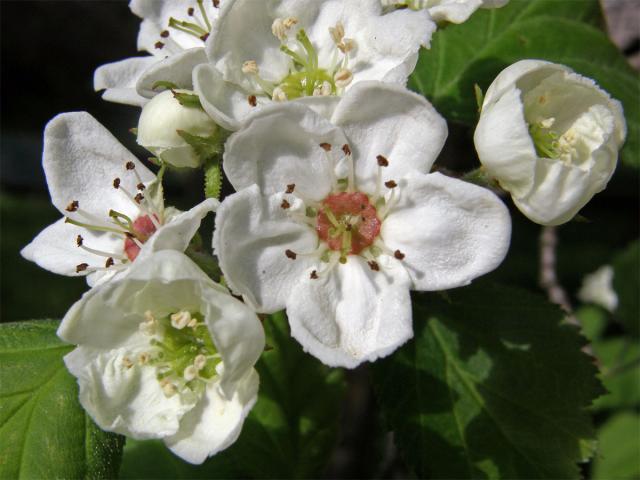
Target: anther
204, 37
190, 373
73, 206
346, 149
290, 254
180, 320
279, 95
398, 254
285, 204
116, 183
253, 101
382, 161
159, 45
164, 33
140, 186
314, 275
373, 265
126, 362
109, 262
190, 11
390, 184
337, 32
343, 77
79, 240
290, 188
130, 165
144, 358
138, 198
216, 3
250, 66
326, 147
81, 267
169, 389
199, 362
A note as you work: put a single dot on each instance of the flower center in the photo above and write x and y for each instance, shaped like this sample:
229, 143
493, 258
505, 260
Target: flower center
348, 222
198, 25
143, 228
181, 350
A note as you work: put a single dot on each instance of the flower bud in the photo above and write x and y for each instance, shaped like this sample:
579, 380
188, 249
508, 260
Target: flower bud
550, 137
158, 127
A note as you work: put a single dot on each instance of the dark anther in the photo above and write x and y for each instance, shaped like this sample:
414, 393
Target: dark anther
73, 206
285, 204
390, 184
253, 101
314, 275
130, 165
79, 240
138, 198
140, 186
190, 11
362, 206
348, 227
346, 149
382, 161
109, 262
290, 188
159, 45
216, 3
398, 254
290, 254
164, 33
374, 265
129, 235
81, 267
116, 183
326, 146
204, 37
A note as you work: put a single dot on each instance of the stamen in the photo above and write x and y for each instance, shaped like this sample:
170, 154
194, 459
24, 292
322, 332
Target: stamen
279, 95
180, 319
101, 253
96, 228
109, 262
164, 33
399, 255
314, 275
343, 77
141, 187
290, 254
127, 363
190, 373
290, 188
144, 358
337, 32
116, 183
373, 265
285, 204
204, 14
81, 267
159, 45
351, 179
390, 184
382, 161
253, 101
326, 147
73, 206
250, 67
199, 362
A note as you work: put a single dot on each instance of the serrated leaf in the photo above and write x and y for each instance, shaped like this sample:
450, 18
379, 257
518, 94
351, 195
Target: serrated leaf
212, 179
626, 283
290, 432
619, 360
561, 31
44, 431
619, 453
492, 386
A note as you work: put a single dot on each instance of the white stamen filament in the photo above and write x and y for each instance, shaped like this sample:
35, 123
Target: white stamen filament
102, 253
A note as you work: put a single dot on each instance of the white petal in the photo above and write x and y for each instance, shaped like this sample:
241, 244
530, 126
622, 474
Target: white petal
323, 106
225, 102
177, 69
179, 230
118, 79
450, 231
385, 119
251, 236
55, 248
454, 11
81, 159
215, 423
280, 145
353, 314
124, 400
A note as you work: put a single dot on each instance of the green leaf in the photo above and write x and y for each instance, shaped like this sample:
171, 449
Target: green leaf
619, 451
212, 179
619, 360
626, 283
492, 386
44, 431
561, 31
290, 433
190, 100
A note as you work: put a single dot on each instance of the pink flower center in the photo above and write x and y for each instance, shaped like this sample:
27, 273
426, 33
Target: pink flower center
348, 222
143, 228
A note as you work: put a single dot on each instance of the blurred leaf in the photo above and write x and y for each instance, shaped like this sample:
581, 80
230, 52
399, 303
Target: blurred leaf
290, 433
593, 320
626, 283
619, 453
561, 31
620, 367
492, 385
45, 433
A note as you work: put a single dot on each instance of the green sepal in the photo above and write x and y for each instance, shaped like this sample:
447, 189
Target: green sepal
212, 179
190, 100
164, 84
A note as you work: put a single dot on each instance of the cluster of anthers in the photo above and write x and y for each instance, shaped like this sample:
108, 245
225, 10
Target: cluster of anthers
181, 350
306, 76
347, 221
198, 26
135, 232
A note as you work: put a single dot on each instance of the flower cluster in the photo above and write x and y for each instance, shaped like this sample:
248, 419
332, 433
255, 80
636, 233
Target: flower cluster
337, 212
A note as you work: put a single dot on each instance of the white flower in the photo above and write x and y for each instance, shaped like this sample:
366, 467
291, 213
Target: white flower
161, 121
174, 33
550, 137
276, 50
597, 288
142, 377
112, 204
454, 11
337, 220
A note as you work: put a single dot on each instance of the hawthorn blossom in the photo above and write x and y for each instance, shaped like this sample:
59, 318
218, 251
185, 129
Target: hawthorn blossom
278, 50
550, 137
337, 220
165, 121
165, 352
454, 11
174, 33
112, 205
